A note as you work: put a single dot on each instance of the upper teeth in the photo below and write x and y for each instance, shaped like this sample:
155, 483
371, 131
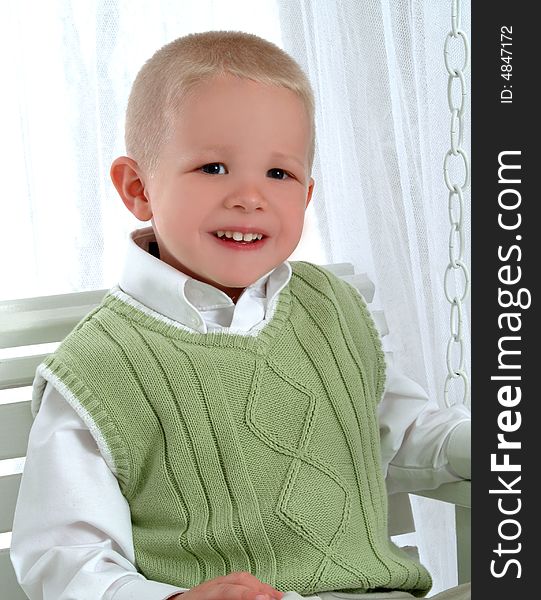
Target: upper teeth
239, 237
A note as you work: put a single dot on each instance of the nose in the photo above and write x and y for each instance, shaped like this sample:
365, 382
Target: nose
247, 197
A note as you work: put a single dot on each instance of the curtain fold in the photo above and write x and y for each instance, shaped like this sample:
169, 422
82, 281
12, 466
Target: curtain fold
383, 128
67, 69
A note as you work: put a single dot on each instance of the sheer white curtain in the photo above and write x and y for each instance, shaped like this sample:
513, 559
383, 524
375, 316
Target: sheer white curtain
383, 128
382, 131
67, 68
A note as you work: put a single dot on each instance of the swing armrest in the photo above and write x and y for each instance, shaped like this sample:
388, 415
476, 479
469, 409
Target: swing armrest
456, 492
459, 494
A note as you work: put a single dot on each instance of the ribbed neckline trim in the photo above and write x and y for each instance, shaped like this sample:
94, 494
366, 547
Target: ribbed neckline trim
259, 341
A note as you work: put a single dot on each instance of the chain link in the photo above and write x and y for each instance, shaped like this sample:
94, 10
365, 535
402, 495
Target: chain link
457, 293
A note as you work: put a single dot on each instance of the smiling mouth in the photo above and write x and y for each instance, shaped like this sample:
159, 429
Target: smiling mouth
239, 237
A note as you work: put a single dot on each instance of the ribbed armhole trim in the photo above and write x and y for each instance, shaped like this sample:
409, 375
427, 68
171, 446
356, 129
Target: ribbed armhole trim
80, 398
382, 371
302, 269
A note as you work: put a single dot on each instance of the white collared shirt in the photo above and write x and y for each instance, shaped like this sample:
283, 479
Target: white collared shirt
72, 536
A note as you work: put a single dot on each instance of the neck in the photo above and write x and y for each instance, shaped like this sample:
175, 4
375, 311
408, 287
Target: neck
234, 293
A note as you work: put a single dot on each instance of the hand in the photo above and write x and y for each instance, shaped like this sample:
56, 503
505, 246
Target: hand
235, 586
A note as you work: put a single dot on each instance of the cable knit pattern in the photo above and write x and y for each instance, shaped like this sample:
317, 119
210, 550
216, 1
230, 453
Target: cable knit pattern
246, 453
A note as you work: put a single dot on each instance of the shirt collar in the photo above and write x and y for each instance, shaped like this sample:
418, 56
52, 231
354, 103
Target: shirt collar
186, 300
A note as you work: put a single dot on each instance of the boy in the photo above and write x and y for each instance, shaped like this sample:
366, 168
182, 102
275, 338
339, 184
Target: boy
185, 424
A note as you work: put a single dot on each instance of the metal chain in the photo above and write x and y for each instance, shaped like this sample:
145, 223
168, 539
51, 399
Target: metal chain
457, 293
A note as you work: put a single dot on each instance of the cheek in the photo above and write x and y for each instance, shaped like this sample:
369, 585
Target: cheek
294, 215
292, 227
176, 215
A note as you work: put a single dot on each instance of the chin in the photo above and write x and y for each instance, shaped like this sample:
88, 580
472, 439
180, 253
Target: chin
237, 284
240, 282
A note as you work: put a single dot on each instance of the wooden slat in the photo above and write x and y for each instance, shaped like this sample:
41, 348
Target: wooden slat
340, 269
458, 493
362, 282
380, 322
463, 542
9, 488
19, 371
48, 319
9, 589
44, 319
15, 423
400, 514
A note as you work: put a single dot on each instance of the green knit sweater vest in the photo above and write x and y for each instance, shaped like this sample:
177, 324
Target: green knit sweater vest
254, 453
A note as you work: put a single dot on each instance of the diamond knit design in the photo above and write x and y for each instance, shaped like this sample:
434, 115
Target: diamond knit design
245, 453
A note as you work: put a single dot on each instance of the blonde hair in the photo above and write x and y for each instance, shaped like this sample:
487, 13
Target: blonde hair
177, 68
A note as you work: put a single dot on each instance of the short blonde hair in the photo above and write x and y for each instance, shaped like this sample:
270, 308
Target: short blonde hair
177, 68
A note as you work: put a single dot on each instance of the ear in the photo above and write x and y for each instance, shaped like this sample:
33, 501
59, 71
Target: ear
128, 181
310, 192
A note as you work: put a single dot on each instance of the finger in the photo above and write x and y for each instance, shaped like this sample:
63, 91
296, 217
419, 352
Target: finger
270, 591
233, 591
240, 585
250, 581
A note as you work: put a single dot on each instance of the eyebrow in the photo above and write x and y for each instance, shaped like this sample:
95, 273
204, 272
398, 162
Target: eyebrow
226, 148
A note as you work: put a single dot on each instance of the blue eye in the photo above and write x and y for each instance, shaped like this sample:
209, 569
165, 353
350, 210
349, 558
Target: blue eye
211, 168
214, 169
279, 171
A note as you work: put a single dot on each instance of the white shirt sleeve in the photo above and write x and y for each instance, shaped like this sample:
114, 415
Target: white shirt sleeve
72, 534
422, 445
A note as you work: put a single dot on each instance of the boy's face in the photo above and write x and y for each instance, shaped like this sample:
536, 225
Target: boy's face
222, 170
